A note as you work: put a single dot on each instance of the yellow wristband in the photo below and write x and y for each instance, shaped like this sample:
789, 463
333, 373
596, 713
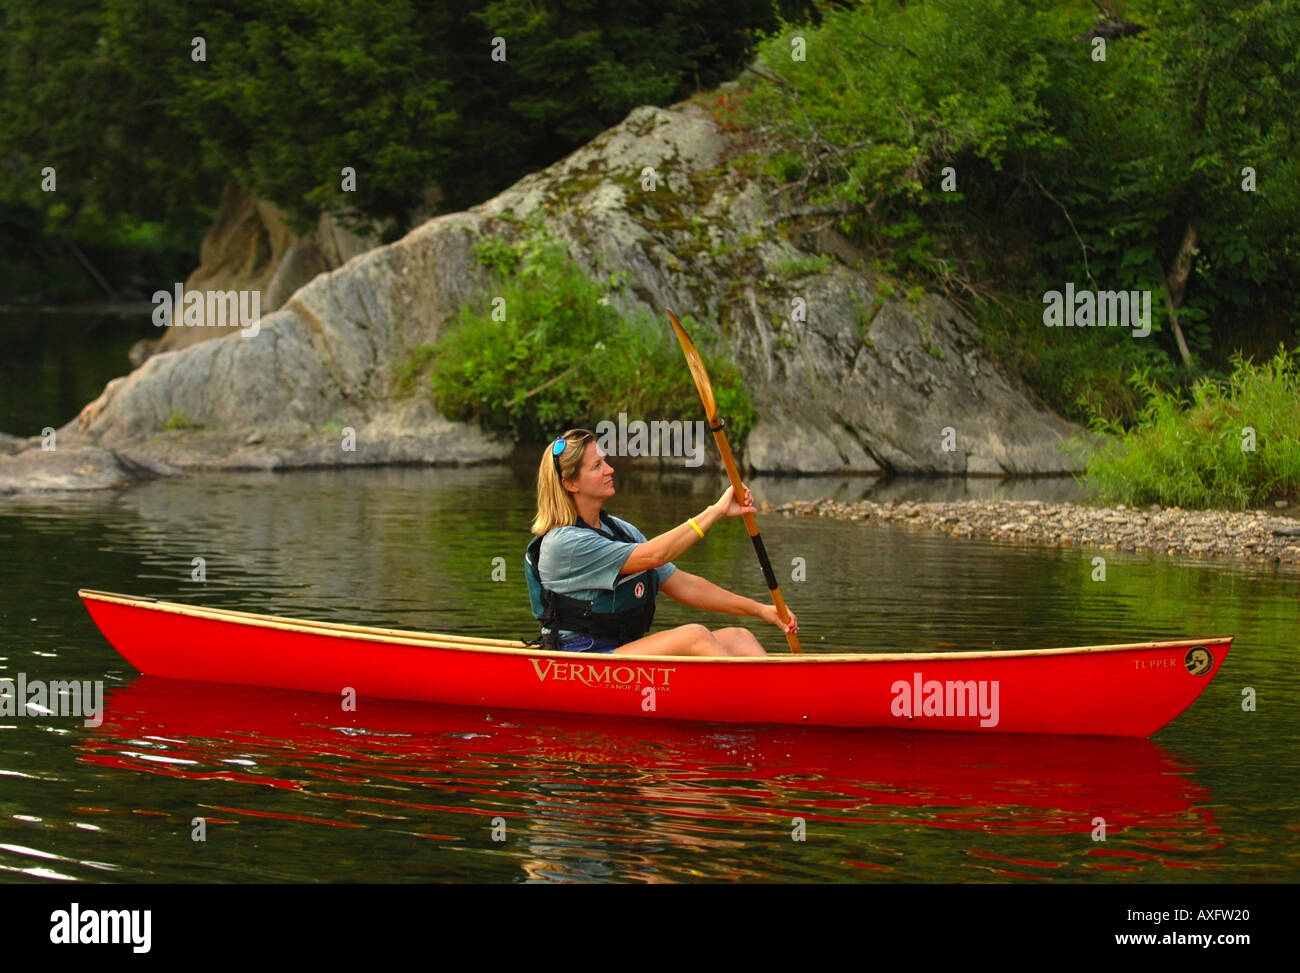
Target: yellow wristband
691, 521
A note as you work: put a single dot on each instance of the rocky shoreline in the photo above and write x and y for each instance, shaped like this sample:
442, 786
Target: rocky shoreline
873, 382
1252, 535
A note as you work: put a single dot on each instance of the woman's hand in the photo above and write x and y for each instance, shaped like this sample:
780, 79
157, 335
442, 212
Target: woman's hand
729, 507
769, 614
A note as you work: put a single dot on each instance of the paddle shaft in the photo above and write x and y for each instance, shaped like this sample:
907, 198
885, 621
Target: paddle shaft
700, 375
751, 525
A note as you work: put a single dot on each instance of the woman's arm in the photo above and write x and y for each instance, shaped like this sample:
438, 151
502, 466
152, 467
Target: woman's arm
697, 592
672, 544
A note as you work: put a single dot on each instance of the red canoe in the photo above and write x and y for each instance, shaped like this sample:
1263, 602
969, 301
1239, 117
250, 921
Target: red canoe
1104, 690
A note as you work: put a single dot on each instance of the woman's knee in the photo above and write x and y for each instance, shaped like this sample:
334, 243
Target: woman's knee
683, 640
694, 639
739, 641
701, 640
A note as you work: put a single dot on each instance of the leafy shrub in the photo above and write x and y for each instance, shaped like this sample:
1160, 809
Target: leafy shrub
1194, 453
564, 356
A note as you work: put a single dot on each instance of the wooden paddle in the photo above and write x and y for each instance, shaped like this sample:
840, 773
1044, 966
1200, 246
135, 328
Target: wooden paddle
705, 388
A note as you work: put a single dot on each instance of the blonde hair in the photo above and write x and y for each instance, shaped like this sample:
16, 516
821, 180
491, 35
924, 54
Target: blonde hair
555, 506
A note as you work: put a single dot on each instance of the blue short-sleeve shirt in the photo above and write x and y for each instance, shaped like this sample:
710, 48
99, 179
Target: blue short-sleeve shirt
581, 563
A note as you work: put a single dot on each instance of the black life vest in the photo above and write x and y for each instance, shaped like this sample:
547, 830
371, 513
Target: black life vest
623, 614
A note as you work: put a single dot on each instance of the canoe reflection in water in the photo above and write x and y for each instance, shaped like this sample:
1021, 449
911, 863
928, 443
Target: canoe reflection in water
597, 799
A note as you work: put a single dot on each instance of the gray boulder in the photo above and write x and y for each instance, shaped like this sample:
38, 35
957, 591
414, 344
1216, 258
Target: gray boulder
846, 377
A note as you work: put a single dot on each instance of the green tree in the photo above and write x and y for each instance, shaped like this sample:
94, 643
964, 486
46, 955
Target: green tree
1122, 173
291, 91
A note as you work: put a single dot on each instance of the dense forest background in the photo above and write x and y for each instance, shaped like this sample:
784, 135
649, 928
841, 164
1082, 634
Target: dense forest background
143, 136
989, 149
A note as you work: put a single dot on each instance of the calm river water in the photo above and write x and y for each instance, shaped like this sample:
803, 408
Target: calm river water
293, 789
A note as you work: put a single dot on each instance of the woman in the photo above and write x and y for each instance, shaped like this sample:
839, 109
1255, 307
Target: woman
593, 577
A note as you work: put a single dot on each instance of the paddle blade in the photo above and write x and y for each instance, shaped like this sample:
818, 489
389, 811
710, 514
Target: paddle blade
696, 365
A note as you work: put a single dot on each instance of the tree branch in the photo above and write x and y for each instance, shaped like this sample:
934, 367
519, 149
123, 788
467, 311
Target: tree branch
900, 45
775, 79
545, 385
88, 267
1082, 246
802, 211
1176, 287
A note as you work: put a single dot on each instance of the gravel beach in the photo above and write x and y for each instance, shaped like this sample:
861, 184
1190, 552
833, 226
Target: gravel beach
1248, 535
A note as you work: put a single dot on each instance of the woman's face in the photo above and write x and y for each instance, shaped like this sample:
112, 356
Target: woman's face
595, 477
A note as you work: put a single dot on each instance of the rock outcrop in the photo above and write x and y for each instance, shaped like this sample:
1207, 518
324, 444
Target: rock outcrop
251, 247
846, 376
76, 467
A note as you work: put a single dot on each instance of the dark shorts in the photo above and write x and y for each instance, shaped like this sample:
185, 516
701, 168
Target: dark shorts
587, 643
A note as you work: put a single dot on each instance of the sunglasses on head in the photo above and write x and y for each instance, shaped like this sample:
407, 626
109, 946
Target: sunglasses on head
560, 445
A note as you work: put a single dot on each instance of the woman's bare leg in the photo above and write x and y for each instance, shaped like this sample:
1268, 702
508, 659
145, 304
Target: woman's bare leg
695, 640
682, 640
739, 641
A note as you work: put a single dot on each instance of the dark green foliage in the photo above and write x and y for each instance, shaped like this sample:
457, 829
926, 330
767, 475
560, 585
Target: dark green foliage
1067, 168
130, 191
134, 257
292, 91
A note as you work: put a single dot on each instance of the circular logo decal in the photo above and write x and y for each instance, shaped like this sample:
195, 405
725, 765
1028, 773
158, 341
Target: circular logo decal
640, 589
1198, 661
